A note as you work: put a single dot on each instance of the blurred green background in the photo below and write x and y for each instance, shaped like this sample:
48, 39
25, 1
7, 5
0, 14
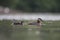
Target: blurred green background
32, 5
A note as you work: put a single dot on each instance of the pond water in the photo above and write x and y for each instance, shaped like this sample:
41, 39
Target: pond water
26, 34
34, 34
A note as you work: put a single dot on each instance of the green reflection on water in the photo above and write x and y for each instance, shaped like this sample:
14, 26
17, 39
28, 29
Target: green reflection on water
26, 34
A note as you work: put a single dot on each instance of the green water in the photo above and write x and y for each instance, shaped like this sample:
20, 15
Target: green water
26, 34
50, 31
35, 34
